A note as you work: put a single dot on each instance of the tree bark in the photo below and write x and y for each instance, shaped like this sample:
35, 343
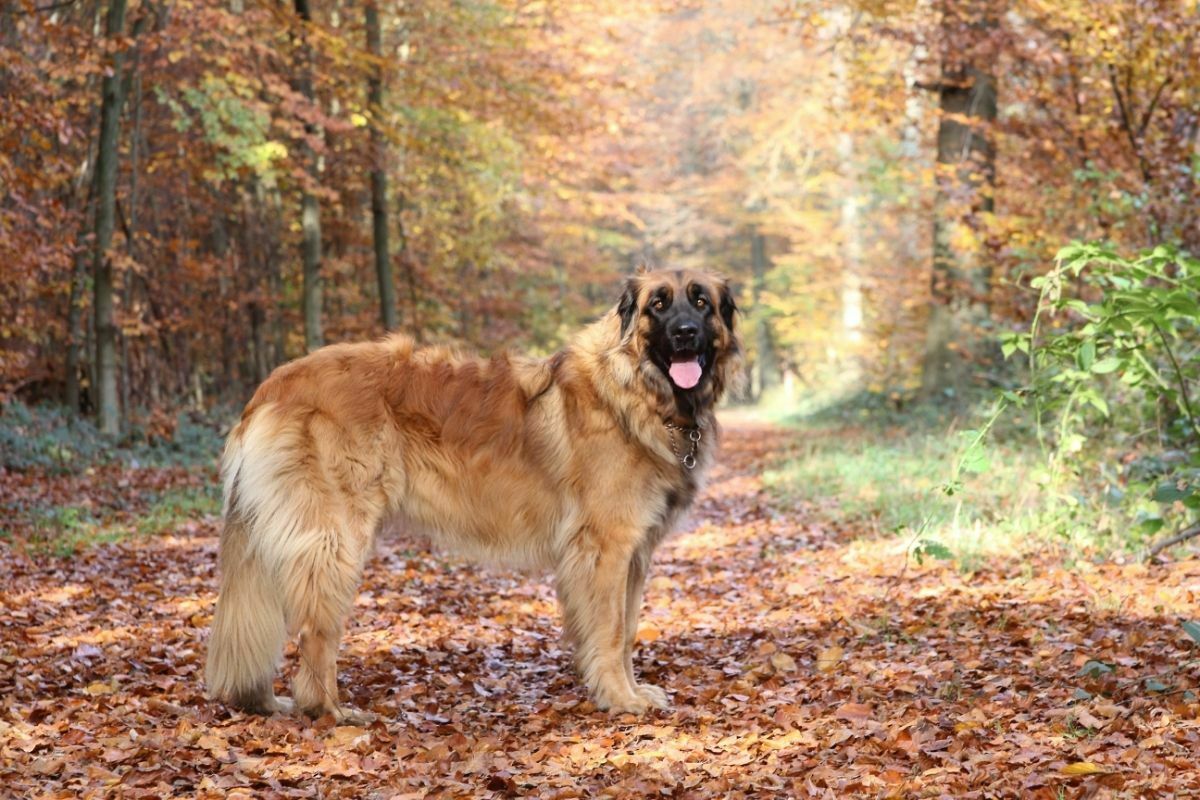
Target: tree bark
112, 98
130, 237
388, 313
765, 372
849, 224
310, 208
75, 331
964, 196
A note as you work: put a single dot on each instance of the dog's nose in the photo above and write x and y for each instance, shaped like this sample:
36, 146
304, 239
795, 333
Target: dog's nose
685, 334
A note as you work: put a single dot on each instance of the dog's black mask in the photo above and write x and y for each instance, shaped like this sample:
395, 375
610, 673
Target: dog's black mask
680, 338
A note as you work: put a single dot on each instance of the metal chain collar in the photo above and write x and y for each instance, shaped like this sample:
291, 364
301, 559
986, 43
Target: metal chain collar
693, 434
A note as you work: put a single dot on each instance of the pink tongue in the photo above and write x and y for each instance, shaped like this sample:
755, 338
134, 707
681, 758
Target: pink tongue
686, 374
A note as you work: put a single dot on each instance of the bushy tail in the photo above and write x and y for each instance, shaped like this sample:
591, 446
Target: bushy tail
248, 630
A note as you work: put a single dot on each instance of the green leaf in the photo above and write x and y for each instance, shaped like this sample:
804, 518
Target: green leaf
1087, 355
1094, 669
1155, 685
1192, 629
1151, 525
976, 460
1106, 365
931, 548
1169, 492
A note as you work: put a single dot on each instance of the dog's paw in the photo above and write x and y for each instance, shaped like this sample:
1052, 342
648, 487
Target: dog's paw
282, 705
653, 695
642, 699
620, 703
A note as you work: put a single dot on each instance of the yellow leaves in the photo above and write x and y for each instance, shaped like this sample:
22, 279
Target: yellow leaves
100, 688
782, 662
795, 589
1083, 768
358, 120
213, 744
829, 658
347, 736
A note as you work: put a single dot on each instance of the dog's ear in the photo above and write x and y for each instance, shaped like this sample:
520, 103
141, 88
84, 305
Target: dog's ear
727, 307
627, 305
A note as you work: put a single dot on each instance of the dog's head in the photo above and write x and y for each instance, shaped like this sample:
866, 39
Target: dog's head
680, 324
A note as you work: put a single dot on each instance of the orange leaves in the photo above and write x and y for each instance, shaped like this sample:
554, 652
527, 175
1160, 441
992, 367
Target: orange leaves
853, 712
930, 692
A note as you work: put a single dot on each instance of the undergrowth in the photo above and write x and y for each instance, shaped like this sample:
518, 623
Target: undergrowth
43, 437
924, 475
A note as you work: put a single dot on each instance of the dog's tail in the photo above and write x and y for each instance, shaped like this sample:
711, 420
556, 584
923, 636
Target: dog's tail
248, 629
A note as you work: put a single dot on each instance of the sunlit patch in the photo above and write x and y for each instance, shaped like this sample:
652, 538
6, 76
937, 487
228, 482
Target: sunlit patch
56, 595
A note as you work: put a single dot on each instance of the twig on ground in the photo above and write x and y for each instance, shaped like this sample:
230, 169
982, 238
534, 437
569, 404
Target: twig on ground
1174, 540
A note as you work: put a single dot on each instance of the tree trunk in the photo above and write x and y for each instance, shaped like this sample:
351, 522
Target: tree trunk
388, 314
406, 260
765, 372
965, 184
849, 224
310, 209
130, 237
75, 332
106, 200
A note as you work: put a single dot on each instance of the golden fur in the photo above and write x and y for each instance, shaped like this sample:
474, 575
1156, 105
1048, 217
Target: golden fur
562, 463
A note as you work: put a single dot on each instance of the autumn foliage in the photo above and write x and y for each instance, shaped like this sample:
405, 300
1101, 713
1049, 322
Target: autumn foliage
887, 184
533, 151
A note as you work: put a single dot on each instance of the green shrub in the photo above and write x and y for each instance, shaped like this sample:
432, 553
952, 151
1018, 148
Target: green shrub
1112, 355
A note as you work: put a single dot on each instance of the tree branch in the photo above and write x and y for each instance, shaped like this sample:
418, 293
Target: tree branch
1126, 121
1150, 109
1190, 533
54, 6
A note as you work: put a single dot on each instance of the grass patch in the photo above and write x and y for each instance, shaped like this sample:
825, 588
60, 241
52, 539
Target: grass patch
65, 530
867, 467
176, 506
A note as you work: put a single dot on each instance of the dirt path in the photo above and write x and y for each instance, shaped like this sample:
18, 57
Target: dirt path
801, 663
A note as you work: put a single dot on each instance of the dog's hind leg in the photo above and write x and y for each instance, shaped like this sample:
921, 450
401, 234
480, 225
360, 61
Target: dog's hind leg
248, 629
322, 581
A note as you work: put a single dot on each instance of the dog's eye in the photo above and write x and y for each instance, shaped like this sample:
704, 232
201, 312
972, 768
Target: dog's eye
701, 302
657, 304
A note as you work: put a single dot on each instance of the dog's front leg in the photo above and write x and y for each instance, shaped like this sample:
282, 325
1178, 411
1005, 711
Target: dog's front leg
635, 587
592, 581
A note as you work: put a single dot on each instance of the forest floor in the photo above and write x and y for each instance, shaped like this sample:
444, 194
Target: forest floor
804, 659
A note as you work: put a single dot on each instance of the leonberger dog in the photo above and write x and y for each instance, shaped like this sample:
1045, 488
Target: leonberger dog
579, 463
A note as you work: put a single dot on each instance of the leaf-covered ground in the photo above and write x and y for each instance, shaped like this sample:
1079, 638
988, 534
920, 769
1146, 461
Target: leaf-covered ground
802, 661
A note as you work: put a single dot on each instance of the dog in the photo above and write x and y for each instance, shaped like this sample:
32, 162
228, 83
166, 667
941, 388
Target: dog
579, 463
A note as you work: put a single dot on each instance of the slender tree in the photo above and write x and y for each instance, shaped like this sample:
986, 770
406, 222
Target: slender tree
388, 313
112, 99
310, 207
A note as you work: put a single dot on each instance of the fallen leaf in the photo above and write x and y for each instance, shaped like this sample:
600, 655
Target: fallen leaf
853, 711
782, 662
1083, 768
828, 660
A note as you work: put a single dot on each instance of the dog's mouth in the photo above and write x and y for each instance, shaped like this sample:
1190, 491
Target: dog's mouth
686, 370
